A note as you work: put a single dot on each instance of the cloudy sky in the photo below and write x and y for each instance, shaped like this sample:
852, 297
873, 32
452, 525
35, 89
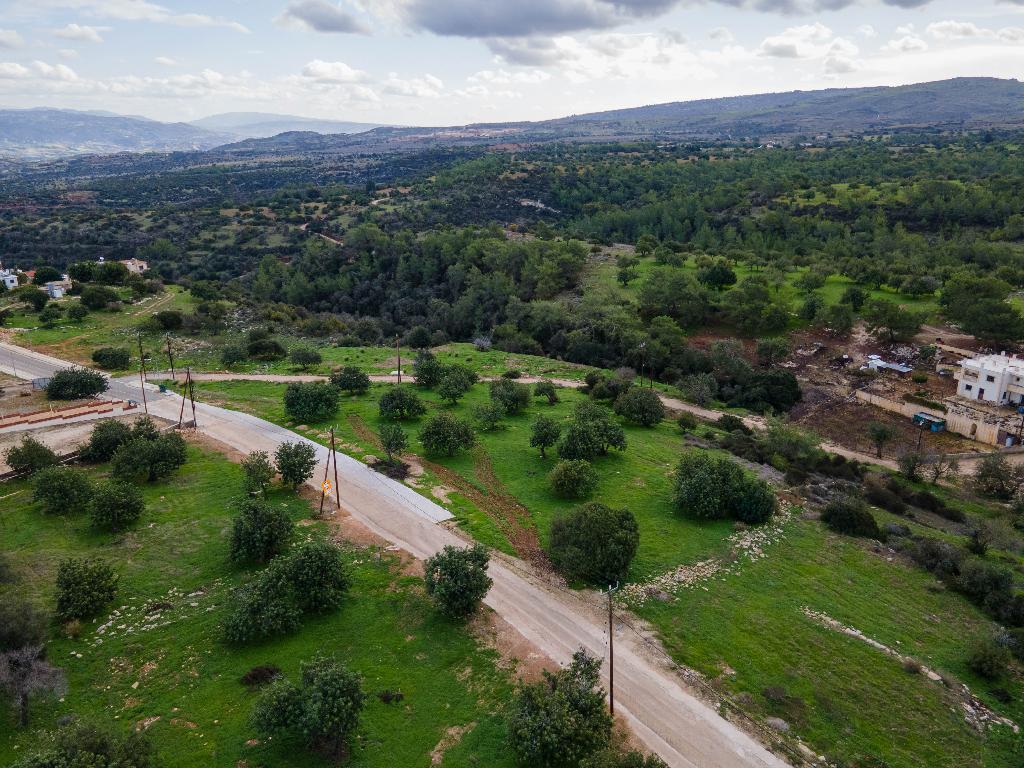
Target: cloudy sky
444, 62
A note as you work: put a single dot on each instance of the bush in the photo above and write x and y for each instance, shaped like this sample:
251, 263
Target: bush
400, 403
112, 358
78, 312
427, 370
21, 623
233, 354
295, 462
562, 719
510, 395
393, 440
985, 584
988, 659
50, 315
98, 297
305, 358
755, 502
882, 496
687, 421
83, 745
418, 337
84, 588
446, 435
144, 459
168, 319
323, 711
259, 676
60, 490
309, 579
641, 406
573, 479
258, 471
544, 433
259, 532
452, 386
488, 416
116, 505
612, 758
75, 384
594, 543
851, 516
457, 579
266, 350
547, 390
729, 423
310, 402
30, 456
706, 485
351, 380
591, 433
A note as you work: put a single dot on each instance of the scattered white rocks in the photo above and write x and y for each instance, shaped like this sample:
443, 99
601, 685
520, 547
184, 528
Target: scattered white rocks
748, 545
977, 715
136, 617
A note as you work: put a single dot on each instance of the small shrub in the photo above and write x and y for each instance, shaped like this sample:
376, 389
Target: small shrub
851, 516
99, 297
266, 350
594, 543
112, 358
544, 433
322, 711
988, 659
393, 440
30, 456
687, 421
84, 588
641, 406
446, 435
351, 379
60, 490
707, 485
21, 623
488, 416
258, 472
510, 395
295, 462
547, 390
84, 745
115, 505
105, 439
168, 319
75, 384
259, 532
573, 479
457, 579
399, 403
144, 459
911, 666
310, 402
729, 423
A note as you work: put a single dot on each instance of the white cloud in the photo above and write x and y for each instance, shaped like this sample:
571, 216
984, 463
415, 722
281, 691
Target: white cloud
9, 38
332, 72
67, 53
966, 30
905, 44
802, 42
721, 34
866, 30
426, 87
55, 71
81, 33
142, 10
166, 61
10, 70
504, 77
320, 16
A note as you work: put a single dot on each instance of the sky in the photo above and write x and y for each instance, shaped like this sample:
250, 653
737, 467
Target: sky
452, 62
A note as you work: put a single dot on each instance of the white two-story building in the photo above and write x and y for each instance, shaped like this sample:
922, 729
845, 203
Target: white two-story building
997, 379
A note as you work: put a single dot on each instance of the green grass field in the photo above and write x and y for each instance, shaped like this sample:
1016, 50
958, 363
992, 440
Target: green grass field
175, 669
845, 698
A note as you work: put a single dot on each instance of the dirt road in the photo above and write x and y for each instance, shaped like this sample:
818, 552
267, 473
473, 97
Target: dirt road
666, 717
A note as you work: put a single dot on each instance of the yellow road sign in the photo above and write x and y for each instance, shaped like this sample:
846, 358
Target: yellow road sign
327, 487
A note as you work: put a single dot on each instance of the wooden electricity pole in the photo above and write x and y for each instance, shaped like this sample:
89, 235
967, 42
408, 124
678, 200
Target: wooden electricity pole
398, 347
611, 650
170, 355
192, 398
334, 458
184, 392
142, 375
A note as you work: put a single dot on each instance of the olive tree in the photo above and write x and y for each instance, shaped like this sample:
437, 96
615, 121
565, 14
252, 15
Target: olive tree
84, 588
594, 543
75, 384
351, 379
258, 472
295, 462
322, 711
641, 406
573, 478
547, 390
562, 719
393, 440
400, 403
59, 490
446, 435
457, 579
259, 531
310, 401
544, 433
115, 505
30, 456
25, 674
106, 437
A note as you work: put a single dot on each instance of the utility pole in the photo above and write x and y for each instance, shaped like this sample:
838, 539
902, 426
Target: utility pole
170, 355
920, 436
324, 486
334, 458
192, 398
142, 375
398, 347
611, 650
184, 392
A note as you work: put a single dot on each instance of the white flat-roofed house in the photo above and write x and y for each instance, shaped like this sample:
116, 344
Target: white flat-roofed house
9, 278
55, 289
997, 379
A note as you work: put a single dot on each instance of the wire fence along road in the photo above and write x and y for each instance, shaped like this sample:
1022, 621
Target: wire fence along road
684, 730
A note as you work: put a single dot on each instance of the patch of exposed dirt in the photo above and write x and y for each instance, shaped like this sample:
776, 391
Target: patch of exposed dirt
515, 652
452, 736
366, 434
504, 509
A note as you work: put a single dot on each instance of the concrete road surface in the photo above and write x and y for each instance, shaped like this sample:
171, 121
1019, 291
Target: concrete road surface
666, 717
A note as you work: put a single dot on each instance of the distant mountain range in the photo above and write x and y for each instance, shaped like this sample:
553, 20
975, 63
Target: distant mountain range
960, 103
47, 134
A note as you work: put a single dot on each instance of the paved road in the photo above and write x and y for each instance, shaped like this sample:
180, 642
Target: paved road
666, 717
